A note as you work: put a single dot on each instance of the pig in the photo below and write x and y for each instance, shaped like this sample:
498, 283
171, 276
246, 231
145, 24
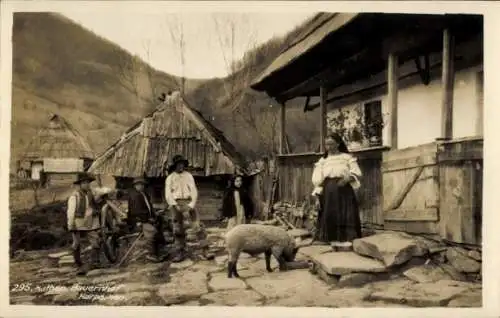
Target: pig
255, 239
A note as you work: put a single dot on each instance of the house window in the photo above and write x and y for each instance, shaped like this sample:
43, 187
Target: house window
373, 122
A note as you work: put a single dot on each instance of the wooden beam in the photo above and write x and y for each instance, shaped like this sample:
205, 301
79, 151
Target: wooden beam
408, 44
408, 215
448, 78
377, 84
392, 96
322, 93
404, 191
282, 128
332, 72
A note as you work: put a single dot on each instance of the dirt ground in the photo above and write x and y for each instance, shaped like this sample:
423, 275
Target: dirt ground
204, 283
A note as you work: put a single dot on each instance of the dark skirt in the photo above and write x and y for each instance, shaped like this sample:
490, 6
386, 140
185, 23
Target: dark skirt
338, 217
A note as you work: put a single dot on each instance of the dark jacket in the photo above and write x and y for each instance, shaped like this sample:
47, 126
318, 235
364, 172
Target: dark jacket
138, 210
229, 208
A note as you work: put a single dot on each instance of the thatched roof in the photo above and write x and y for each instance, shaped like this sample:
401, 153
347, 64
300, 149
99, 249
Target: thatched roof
173, 128
57, 139
312, 34
335, 49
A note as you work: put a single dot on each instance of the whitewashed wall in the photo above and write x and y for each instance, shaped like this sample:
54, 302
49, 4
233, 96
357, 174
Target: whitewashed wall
419, 111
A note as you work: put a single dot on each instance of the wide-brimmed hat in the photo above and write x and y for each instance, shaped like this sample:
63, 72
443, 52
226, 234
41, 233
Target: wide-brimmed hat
178, 159
84, 177
139, 180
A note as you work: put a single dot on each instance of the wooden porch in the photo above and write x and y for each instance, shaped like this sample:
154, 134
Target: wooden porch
429, 189
433, 188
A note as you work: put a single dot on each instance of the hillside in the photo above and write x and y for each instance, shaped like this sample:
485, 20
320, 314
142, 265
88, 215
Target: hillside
61, 67
250, 119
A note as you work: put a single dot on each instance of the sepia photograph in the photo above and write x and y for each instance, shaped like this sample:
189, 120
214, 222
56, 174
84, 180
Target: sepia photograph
245, 158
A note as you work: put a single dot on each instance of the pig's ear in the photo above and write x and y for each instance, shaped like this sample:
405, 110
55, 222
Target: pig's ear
295, 250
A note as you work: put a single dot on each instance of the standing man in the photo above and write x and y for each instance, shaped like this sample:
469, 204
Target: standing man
84, 220
181, 195
140, 210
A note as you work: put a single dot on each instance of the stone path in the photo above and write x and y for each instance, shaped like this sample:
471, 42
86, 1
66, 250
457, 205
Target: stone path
204, 283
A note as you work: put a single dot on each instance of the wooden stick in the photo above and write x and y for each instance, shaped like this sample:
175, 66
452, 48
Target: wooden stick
130, 249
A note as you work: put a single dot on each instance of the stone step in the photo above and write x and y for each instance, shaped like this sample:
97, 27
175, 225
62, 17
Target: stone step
389, 247
341, 263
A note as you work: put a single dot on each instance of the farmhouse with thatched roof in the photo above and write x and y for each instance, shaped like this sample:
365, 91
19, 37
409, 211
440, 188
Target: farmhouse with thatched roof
57, 153
173, 128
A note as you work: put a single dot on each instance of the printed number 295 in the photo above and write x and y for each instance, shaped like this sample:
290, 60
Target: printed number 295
21, 287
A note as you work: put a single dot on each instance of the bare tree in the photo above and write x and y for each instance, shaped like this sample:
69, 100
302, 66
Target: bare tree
127, 70
175, 28
138, 77
234, 30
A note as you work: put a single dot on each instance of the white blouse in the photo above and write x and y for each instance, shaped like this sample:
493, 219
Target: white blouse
342, 165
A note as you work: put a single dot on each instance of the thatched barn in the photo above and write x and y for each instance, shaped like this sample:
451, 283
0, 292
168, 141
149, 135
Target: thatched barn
173, 128
56, 154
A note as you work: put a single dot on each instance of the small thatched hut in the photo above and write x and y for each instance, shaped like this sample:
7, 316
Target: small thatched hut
56, 154
173, 128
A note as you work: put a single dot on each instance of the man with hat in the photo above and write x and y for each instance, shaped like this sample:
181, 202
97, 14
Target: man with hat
181, 195
140, 210
84, 220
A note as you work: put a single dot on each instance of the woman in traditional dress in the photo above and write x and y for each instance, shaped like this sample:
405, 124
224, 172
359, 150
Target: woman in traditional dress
237, 204
335, 176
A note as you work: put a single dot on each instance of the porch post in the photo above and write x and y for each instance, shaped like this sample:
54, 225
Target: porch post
448, 78
322, 94
392, 96
282, 128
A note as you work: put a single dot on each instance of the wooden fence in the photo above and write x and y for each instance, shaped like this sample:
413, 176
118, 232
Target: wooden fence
295, 172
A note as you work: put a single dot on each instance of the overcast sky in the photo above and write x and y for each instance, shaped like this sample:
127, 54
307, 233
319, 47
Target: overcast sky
206, 36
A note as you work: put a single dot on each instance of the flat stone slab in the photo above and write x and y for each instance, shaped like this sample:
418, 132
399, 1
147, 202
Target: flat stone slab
56, 270
135, 287
256, 269
341, 263
436, 294
356, 279
182, 265
475, 255
103, 271
207, 267
22, 299
324, 276
191, 303
470, 298
459, 259
65, 297
390, 248
111, 278
137, 298
220, 282
66, 261
183, 288
287, 284
59, 255
426, 274
221, 260
54, 280
313, 250
231, 298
